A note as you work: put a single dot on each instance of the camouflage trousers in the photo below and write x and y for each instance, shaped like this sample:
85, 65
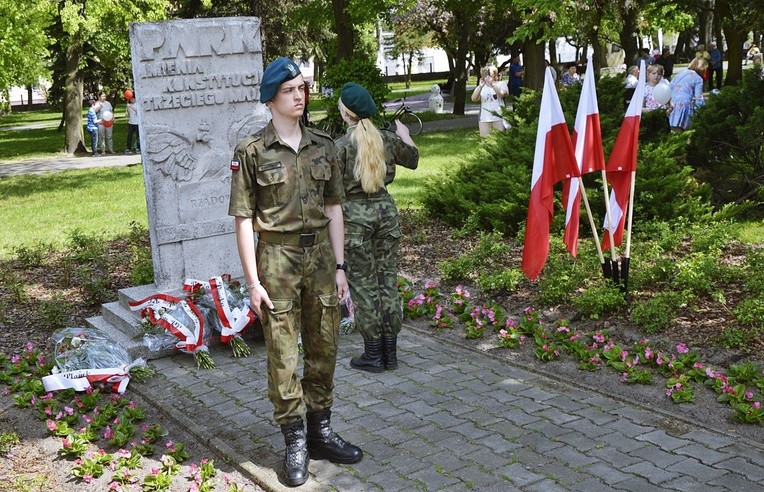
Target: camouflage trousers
301, 284
372, 235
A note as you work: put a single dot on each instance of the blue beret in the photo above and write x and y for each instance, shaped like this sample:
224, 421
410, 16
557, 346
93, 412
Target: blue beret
358, 100
277, 72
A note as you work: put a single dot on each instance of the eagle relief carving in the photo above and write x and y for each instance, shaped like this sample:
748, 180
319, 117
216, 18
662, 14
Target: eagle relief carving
201, 156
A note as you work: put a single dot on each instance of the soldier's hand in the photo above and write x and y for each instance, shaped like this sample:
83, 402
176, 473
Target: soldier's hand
258, 296
342, 284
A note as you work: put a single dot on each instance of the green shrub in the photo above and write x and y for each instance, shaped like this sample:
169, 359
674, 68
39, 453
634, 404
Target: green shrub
754, 271
733, 337
745, 372
95, 283
725, 146
86, 247
361, 70
503, 279
54, 314
698, 272
600, 299
750, 312
32, 256
656, 314
486, 258
491, 191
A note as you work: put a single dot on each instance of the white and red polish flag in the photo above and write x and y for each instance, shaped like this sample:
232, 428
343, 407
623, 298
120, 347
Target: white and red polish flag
553, 161
587, 142
622, 164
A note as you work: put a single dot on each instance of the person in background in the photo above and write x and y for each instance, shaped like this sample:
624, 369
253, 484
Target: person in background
644, 55
752, 51
106, 128
757, 65
667, 62
286, 185
133, 120
491, 92
630, 84
516, 73
715, 67
554, 72
569, 76
654, 76
93, 124
701, 52
368, 160
687, 94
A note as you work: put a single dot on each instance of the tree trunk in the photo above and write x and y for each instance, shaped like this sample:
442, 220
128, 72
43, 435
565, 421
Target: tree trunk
460, 71
30, 95
628, 35
409, 62
553, 52
533, 64
735, 38
73, 100
343, 27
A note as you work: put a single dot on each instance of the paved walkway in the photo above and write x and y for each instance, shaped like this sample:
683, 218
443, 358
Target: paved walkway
452, 420
65, 162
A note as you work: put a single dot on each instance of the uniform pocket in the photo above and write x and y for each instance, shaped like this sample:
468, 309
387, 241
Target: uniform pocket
271, 179
321, 172
281, 330
330, 321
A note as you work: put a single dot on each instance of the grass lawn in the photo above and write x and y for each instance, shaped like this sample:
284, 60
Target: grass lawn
42, 137
46, 208
439, 153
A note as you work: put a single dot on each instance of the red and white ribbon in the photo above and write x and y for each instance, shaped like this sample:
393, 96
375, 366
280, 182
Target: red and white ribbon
233, 320
150, 306
82, 379
190, 338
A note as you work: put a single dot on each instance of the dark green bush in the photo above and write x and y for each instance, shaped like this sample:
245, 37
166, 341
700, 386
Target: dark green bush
654, 315
726, 145
491, 192
360, 70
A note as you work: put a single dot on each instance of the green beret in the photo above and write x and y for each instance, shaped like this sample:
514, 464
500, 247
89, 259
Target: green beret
277, 72
358, 100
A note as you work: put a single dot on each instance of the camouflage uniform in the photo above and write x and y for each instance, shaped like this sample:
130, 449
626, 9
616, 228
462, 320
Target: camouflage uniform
285, 193
372, 234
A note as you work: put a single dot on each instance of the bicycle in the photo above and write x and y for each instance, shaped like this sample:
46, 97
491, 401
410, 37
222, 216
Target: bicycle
405, 115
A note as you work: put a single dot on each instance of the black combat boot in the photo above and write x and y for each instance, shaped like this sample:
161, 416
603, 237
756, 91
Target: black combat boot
296, 454
371, 358
390, 352
325, 444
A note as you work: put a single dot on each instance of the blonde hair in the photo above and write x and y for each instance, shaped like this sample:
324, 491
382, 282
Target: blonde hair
698, 64
369, 166
655, 68
489, 70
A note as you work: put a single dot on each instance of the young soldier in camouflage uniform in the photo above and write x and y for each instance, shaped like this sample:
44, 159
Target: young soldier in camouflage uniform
286, 186
372, 232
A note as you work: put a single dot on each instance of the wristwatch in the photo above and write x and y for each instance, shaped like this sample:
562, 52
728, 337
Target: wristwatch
342, 266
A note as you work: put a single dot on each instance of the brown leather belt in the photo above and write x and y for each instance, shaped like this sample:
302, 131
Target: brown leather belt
304, 240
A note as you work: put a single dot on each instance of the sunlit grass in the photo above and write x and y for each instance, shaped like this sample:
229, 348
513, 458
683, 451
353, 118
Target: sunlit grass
439, 153
46, 208
44, 138
751, 232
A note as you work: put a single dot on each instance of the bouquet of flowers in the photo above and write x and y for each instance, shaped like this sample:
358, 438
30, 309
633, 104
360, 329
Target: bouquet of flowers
183, 320
225, 306
84, 356
347, 316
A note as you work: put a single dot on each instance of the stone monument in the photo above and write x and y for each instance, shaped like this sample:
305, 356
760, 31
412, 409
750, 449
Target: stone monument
197, 84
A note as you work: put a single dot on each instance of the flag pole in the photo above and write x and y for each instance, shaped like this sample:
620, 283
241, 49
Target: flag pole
627, 254
611, 268
591, 223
